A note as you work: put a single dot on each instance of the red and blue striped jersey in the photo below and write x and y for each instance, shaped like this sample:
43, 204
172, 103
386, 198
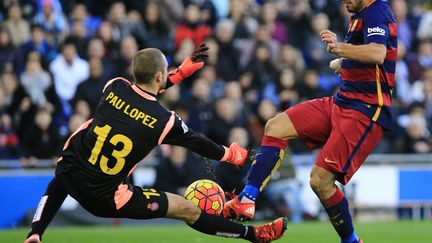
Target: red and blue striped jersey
368, 87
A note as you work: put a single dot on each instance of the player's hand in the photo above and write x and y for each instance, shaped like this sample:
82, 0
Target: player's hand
190, 65
235, 155
336, 65
330, 39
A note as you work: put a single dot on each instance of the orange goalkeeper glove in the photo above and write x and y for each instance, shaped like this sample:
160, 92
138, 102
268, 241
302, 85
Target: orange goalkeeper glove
235, 155
190, 65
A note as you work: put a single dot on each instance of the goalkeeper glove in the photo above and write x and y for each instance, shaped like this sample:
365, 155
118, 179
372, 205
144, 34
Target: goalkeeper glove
190, 65
235, 155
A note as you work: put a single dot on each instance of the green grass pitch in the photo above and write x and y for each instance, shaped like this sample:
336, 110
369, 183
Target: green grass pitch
384, 232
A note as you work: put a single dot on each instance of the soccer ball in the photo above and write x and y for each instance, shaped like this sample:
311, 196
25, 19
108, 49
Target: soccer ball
207, 195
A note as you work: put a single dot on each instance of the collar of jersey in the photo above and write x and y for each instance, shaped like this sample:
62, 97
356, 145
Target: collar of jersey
145, 91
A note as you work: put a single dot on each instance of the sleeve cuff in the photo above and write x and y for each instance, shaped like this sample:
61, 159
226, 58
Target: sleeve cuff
226, 154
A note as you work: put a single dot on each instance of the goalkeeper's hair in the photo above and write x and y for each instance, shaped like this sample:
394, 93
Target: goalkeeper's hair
146, 64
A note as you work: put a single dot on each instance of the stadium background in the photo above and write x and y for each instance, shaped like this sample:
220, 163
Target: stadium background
265, 56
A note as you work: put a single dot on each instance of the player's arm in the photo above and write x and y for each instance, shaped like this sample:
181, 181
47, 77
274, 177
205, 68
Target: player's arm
188, 67
372, 53
377, 29
182, 135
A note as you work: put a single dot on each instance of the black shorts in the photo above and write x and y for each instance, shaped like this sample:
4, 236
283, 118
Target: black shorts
144, 203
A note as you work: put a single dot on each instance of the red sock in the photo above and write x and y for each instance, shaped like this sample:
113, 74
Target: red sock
274, 142
333, 200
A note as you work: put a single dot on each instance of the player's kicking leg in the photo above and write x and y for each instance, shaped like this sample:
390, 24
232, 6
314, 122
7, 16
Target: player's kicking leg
267, 160
47, 208
180, 208
309, 120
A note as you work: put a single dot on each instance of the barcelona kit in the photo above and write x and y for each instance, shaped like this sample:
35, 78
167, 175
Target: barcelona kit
350, 123
98, 158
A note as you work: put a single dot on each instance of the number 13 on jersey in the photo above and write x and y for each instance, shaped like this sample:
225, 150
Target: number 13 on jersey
102, 134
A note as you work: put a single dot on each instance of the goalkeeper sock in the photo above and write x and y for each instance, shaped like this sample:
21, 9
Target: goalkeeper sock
267, 160
215, 225
48, 207
338, 211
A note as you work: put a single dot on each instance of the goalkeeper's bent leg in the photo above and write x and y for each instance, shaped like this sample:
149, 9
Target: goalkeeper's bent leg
48, 206
218, 226
180, 208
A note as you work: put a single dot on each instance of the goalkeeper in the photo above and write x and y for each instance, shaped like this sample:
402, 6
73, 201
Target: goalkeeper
128, 123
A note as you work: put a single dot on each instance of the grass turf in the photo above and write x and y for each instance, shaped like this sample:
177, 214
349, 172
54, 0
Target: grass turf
384, 232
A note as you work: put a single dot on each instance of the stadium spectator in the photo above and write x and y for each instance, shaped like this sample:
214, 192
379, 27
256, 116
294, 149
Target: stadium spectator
223, 121
171, 97
68, 70
17, 101
175, 172
191, 27
227, 57
79, 13
79, 38
244, 24
297, 20
50, 16
171, 12
283, 92
18, 27
36, 81
248, 46
403, 83
309, 87
209, 14
233, 92
261, 66
424, 30
83, 109
200, 106
290, 57
9, 141
420, 60
128, 49
250, 93
90, 90
105, 33
417, 136
96, 49
315, 50
405, 33
122, 26
420, 89
9, 54
38, 43
265, 110
267, 17
215, 83
3, 102
41, 140
158, 32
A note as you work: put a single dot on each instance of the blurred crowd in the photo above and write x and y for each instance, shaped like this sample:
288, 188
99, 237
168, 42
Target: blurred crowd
265, 56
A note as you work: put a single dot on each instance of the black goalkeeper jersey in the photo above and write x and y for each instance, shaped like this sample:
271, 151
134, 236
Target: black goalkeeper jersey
128, 123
